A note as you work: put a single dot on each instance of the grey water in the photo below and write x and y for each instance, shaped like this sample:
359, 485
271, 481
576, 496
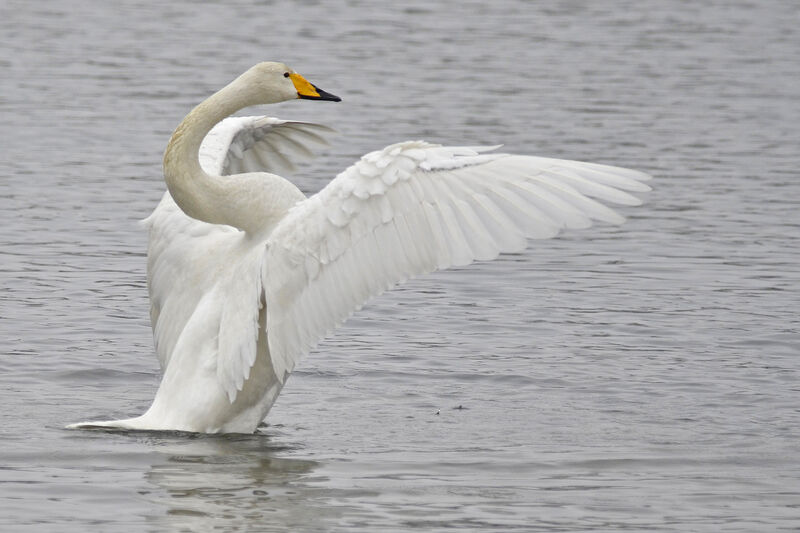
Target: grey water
639, 378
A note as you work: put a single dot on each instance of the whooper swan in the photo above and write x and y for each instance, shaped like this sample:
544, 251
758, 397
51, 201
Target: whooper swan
246, 274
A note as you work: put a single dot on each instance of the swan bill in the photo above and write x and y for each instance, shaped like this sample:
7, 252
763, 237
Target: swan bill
309, 91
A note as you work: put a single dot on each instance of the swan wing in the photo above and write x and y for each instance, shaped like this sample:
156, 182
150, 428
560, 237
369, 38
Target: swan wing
183, 252
259, 144
413, 208
179, 270
204, 282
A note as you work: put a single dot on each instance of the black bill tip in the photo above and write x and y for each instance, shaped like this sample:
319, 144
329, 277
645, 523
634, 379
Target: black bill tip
323, 95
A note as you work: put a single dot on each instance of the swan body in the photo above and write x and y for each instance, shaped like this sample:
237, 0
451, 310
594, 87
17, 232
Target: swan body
246, 274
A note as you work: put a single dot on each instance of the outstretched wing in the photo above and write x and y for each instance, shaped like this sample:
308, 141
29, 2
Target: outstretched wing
259, 144
185, 254
412, 208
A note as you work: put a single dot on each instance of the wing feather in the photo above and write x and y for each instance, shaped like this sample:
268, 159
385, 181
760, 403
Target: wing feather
412, 208
259, 144
186, 257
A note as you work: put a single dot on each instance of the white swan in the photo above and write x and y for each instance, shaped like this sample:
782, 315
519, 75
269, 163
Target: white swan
246, 274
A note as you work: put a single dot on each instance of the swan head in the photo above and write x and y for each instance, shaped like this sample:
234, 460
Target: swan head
276, 82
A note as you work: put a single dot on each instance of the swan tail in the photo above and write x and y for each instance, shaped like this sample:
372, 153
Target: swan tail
127, 423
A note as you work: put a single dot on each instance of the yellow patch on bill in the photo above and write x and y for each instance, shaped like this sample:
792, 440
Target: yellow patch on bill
304, 88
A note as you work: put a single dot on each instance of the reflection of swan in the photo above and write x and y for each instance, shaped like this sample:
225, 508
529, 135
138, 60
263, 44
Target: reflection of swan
246, 274
227, 483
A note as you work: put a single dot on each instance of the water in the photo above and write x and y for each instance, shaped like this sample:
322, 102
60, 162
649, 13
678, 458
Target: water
634, 378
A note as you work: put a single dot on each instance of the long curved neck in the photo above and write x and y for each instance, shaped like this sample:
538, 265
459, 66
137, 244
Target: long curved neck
198, 194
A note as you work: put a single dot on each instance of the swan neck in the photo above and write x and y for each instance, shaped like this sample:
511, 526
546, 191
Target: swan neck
198, 194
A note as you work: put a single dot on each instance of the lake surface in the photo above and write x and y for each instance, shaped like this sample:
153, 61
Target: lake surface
643, 377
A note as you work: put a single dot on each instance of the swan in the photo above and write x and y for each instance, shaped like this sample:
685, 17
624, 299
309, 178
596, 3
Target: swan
245, 274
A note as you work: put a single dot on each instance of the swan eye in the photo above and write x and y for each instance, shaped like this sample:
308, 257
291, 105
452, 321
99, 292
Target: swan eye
285, 74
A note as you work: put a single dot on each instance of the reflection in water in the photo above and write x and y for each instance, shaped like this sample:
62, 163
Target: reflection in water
229, 482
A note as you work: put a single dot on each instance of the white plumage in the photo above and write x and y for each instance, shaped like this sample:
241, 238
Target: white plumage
234, 306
